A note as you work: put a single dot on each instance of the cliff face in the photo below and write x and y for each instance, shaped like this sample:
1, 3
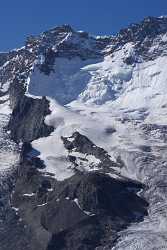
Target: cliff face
88, 118
27, 119
83, 211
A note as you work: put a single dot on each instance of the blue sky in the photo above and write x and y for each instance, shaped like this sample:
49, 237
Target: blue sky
20, 18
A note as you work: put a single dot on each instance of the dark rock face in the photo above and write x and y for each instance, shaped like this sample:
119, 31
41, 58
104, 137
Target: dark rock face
16, 92
157, 131
80, 143
98, 194
142, 35
27, 120
84, 237
14, 234
17, 65
47, 66
89, 209
83, 212
78, 213
149, 27
3, 58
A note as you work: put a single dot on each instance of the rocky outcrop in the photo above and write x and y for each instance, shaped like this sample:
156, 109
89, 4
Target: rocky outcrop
87, 210
80, 212
27, 119
156, 131
78, 143
143, 36
83, 212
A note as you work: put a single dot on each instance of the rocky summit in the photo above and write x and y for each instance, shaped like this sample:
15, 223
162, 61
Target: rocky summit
83, 153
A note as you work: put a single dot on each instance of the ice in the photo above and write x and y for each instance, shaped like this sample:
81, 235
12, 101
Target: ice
64, 84
136, 86
92, 95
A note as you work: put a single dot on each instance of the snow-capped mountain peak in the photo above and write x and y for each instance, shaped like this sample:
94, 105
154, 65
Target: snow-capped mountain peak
90, 116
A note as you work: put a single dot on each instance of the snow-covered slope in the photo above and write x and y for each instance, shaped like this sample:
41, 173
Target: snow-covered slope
91, 95
122, 90
109, 93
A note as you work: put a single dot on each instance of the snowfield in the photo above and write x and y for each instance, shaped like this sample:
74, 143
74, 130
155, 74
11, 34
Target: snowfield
92, 96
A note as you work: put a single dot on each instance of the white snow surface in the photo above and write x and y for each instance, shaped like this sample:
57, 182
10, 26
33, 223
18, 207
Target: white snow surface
107, 81
93, 95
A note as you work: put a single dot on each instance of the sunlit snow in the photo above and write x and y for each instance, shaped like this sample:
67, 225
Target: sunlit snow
90, 96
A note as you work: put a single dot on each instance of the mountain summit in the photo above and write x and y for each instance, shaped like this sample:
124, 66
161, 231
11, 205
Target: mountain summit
83, 140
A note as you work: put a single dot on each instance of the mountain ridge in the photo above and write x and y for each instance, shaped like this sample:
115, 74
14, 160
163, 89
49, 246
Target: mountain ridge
89, 117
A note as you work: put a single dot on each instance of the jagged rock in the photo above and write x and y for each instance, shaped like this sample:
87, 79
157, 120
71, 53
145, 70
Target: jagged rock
88, 209
93, 202
142, 35
47, 65
157, 131
27, 120
80, 143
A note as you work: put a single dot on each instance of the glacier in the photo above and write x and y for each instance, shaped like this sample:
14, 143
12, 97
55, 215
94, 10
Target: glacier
91, 95
111, 90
